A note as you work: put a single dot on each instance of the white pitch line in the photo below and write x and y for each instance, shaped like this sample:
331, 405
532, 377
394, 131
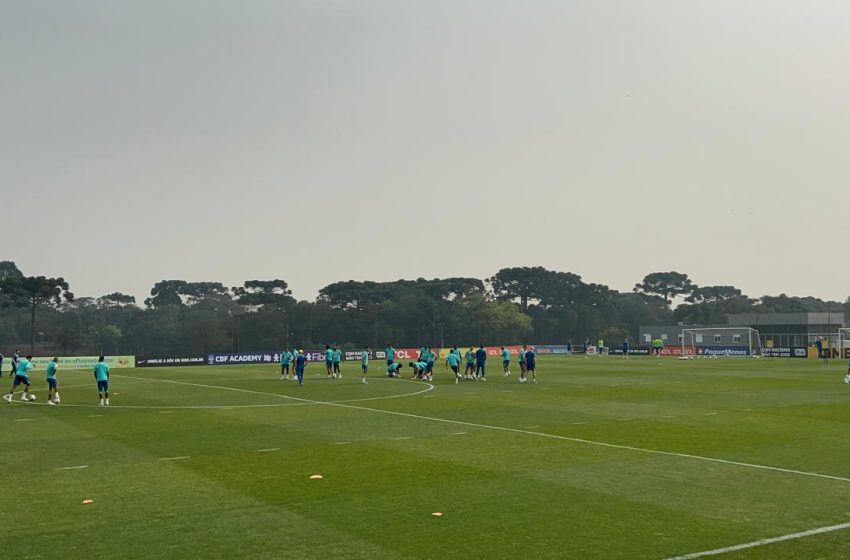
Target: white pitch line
531, 427
763, 542
458, 434
166, 412
598, 443
71, 468
269, 450
401, 438
24, 419
340, 443
624, 419
174, 458
539, 434
299, 400
578, 423
94, 415
711, 413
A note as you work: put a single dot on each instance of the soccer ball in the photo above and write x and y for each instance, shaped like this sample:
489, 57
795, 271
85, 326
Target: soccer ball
32, 397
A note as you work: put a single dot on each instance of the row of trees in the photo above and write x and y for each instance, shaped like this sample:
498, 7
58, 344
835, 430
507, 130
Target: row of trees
514, 305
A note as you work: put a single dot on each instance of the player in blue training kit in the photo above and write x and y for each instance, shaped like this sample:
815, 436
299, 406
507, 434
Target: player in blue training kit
300, 364
101, 375
52, 382
390, 352
480, 362
626, 348
531, 364
22, 377
285, 359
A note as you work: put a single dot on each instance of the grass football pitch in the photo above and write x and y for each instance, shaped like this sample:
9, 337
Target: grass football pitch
603, 459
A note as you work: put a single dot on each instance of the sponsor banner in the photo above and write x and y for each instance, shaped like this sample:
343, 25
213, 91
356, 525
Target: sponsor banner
677, 351
634, 351
241, 358
784, 352
86, 362
170, 362
723, 351
553, 349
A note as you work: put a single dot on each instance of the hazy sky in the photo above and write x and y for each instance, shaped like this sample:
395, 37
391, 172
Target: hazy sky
321, 141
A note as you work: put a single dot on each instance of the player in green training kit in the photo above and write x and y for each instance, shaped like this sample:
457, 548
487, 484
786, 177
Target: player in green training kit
364, 364
657, 347
506, 361
101, 375
22, 377
470, 363
337, 358
52, 382
285, 359
394, 370
453, 361
329, 362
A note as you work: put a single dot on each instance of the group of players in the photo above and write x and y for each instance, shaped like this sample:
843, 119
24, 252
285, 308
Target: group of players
293, 363
20, 374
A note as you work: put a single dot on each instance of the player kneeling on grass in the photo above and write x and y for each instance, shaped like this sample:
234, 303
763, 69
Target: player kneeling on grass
453, 361
364, 364
394, 370
101, 375
52, 382
21, 378
419, 369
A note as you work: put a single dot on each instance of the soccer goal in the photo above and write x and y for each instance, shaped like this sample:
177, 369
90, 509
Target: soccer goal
844, 342
720, 341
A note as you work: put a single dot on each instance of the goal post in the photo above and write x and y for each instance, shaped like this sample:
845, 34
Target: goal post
720, 341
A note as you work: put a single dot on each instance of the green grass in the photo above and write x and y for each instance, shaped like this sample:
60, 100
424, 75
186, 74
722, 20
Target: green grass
504, 493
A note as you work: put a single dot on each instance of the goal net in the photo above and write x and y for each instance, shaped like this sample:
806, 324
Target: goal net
720, 341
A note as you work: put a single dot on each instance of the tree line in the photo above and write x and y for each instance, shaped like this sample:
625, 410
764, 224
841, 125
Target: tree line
516, 305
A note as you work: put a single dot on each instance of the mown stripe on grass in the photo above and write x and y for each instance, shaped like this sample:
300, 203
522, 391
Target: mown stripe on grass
527, 432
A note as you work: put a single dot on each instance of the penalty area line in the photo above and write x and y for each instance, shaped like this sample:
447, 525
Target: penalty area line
763, 542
